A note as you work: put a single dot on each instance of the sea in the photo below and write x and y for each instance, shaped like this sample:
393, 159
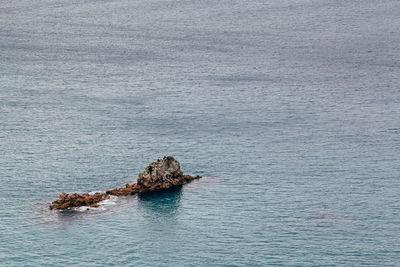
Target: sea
289, 109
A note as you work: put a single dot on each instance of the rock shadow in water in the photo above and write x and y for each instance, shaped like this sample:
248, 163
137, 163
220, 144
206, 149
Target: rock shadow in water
163, 203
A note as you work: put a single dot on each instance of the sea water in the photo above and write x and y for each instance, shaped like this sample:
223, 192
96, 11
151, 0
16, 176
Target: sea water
290, 109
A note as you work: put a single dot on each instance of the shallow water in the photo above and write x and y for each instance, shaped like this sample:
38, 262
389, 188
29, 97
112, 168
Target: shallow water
290, 109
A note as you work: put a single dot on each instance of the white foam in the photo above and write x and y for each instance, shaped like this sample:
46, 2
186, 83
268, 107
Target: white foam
103, 204
82, 208
110, 201
94, 192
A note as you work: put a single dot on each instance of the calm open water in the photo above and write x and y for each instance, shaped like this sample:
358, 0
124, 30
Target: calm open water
290, 108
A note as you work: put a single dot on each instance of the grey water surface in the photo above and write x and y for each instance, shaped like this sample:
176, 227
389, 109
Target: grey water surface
289, 108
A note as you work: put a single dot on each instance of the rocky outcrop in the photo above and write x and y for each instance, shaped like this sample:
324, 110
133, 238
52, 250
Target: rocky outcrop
66, 201
162, 174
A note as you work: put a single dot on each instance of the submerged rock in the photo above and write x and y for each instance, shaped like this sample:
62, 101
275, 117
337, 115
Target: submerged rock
161, 174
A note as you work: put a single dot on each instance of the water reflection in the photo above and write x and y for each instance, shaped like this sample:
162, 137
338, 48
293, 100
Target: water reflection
163, 203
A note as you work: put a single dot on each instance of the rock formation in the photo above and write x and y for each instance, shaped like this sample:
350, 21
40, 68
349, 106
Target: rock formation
66, 201
161, 174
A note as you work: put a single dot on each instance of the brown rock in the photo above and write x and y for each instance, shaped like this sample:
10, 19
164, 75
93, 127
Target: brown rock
161, 174
66, 201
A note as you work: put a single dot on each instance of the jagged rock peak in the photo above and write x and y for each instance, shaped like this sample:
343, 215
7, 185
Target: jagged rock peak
161, 172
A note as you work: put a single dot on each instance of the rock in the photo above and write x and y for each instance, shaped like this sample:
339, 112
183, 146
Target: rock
129, 189
72, 201
161, 174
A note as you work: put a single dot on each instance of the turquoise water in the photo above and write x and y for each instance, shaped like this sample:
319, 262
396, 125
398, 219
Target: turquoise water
289, 109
